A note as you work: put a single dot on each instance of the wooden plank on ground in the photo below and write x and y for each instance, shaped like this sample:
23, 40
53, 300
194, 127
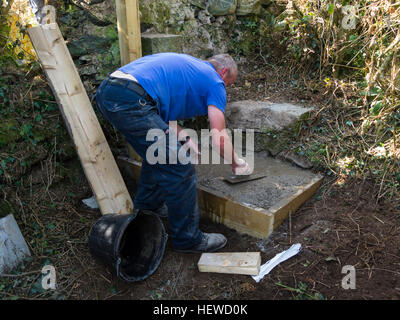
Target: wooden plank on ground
90, 143
230, 262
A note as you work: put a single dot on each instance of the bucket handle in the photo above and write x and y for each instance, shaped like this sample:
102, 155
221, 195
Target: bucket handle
118, 266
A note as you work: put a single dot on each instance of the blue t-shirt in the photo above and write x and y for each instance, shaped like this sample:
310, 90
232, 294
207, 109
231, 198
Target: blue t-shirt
184, 86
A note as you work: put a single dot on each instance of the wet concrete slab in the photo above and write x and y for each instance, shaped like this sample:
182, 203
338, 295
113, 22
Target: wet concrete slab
282, 180
255, 207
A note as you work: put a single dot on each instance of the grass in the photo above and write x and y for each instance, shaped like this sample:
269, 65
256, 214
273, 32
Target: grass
355, 129
300, 292
341, 138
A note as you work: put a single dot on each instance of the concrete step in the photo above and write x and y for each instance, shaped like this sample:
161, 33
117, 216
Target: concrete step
157, 42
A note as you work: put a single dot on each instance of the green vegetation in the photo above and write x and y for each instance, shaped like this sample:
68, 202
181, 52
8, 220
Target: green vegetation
301, 292
352, 59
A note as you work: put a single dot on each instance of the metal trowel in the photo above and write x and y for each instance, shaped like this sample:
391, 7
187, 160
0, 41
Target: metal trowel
232, 178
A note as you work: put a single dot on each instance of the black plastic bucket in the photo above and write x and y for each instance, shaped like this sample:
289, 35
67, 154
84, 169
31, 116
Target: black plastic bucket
132, 245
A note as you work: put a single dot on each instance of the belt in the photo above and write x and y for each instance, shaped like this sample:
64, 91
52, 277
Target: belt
131, 85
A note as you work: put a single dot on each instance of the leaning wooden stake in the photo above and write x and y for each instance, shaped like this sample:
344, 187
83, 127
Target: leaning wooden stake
91, 145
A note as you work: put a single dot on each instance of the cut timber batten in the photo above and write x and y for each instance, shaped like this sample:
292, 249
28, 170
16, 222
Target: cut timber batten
90, 143
231, 262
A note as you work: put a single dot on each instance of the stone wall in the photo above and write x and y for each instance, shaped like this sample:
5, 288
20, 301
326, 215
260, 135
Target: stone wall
207, 26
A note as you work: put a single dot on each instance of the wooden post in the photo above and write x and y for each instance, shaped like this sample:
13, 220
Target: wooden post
91, 145
130, 43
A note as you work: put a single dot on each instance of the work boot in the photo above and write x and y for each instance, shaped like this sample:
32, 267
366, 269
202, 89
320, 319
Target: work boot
210, 242
161, 212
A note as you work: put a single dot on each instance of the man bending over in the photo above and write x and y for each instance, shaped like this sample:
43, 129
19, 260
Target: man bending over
148, 93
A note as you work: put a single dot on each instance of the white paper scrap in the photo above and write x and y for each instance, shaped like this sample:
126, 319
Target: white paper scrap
280, 257
91, 202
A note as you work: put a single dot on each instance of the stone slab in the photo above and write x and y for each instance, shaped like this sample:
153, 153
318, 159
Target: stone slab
262, 115
13, 248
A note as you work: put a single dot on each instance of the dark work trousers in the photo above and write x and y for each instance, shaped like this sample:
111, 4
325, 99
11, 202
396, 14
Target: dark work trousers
133, 114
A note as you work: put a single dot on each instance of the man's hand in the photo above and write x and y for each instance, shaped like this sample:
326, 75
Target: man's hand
223, 143
194, 150
220, 138
188, 144
241, 167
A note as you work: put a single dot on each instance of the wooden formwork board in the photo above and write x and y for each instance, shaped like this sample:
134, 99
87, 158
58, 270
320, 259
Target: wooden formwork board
249, 219
243, 217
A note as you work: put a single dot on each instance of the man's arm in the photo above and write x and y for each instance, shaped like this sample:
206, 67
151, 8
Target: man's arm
222, 142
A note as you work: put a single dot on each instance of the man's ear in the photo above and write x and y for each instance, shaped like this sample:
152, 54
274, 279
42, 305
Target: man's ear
224, 72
